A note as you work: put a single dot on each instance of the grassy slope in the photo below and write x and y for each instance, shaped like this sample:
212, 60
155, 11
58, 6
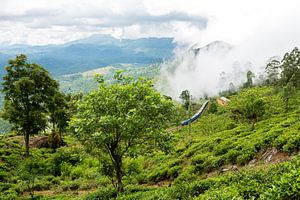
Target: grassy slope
193, 170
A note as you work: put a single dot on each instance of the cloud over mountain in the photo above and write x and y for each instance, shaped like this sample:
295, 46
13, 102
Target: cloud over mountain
40, 22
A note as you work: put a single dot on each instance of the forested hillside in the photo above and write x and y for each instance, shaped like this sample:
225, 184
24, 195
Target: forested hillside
91, 53
124, 140
219, 159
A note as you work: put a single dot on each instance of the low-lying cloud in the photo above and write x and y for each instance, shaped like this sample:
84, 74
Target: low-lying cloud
272, 31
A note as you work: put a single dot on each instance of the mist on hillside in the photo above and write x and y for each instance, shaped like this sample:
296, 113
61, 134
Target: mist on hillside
211, 61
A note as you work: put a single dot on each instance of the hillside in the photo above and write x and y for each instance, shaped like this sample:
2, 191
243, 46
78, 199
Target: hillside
219, 159
84, 82
91, 53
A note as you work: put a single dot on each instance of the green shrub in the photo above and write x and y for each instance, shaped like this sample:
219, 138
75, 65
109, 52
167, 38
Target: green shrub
42, 185
247, 153
213, 163
223, 147
133, 167
220, 193
231, 156
286, 187
76, 172
102, 181
173, 172
159, 174
9, 194
102, 194
154, 194
186, 175
70, 185
293, 143
187, 190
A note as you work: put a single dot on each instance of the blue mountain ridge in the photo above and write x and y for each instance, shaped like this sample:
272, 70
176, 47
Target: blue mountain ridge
90, 53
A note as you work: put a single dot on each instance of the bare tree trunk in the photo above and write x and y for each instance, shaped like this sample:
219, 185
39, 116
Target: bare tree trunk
119, 173
26, 138
61, 141
253, 124
120, 187
286, 105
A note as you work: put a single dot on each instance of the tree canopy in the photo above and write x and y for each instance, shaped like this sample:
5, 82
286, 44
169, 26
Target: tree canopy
120, 119
290, 66
28, 90
248, 106
185, 97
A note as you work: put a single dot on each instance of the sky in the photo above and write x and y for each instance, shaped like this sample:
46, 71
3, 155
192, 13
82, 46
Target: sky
58, 21
256, 30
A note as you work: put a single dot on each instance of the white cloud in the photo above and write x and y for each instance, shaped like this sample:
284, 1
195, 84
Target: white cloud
231, 20
258, 30
39, 20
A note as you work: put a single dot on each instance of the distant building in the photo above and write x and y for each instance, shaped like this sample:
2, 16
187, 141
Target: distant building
223, 101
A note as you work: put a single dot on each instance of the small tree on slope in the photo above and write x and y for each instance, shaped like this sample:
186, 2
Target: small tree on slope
248, 106
28, 90
121, 119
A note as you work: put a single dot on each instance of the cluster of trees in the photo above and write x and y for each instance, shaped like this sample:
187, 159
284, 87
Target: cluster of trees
32, 100
285, 74
114, 121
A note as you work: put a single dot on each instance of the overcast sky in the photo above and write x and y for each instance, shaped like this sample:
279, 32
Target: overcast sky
58, 21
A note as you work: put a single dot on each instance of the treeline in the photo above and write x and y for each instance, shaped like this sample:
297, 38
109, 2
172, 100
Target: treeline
33, 102
283, 75
126, 117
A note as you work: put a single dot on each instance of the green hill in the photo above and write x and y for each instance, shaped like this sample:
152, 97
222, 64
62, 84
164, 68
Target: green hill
91, 52
221, 158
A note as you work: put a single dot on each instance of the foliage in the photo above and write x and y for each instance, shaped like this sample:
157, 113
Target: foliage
5, 126
103, 194
249, 82
290, 66
194, 170
60, 113
186, 98
249, 105
221, 158
118, 119
28, 172
272, 72
28, 90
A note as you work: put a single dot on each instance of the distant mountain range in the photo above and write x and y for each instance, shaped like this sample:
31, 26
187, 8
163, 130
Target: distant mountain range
92, 52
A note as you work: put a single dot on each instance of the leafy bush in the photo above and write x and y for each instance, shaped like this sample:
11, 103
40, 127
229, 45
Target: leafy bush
70, 185
287, 187
102, 194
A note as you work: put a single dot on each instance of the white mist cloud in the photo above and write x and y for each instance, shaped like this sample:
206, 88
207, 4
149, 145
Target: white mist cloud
257, 31
60, 21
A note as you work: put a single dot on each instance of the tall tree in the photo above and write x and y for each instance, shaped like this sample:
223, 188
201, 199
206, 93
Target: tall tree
59, 117
185, 97
272, 71
248, 106
287, 92
28, 90
290, 66
249, 82
122, 119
